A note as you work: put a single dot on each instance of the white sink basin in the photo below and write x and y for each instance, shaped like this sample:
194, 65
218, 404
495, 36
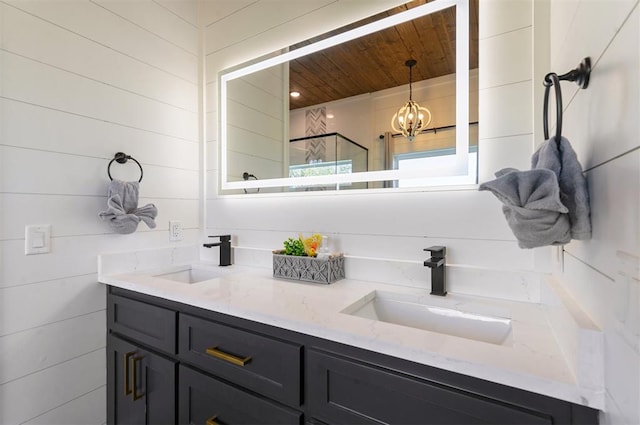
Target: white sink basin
401, 310
192, 274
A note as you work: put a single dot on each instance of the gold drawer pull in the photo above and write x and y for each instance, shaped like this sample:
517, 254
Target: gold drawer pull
240, 361
127, 388
212, 420
136, 396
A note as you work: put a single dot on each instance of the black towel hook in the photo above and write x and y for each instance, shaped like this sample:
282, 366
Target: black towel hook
122, 158
580, 76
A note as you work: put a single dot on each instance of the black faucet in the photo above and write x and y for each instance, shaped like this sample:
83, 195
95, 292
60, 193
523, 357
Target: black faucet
438, 269
225, 248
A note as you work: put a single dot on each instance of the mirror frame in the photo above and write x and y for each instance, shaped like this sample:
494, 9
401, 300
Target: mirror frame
457, 175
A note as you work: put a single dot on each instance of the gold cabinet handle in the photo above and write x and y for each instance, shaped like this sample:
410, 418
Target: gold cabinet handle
136, 396
236, 360
127, 388
212, 420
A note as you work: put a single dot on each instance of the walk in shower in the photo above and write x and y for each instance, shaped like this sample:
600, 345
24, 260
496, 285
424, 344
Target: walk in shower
326, 154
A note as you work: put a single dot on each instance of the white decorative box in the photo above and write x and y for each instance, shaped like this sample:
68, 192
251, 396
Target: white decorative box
309, 269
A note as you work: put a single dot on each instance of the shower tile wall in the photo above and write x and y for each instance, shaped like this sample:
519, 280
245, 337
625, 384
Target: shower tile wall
315, 123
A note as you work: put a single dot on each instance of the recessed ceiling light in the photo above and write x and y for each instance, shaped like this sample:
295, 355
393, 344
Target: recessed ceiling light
330, 116
295, 94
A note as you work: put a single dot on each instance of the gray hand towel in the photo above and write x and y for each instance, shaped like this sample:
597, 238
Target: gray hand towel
562, 160
548, 205
123, 214
532, 206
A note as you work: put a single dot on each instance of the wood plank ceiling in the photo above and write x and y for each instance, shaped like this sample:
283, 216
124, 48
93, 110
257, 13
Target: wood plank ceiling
377, 62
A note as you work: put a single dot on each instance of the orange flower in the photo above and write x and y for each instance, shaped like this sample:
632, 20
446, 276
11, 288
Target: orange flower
311, 244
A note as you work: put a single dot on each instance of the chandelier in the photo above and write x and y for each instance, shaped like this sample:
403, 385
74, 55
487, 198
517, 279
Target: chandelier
410, 119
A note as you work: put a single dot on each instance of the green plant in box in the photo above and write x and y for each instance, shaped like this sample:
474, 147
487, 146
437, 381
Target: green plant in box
299, 261
294, 247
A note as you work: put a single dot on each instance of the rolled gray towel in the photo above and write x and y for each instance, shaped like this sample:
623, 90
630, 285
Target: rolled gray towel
532, 206
548, 205
563, 161
123, 214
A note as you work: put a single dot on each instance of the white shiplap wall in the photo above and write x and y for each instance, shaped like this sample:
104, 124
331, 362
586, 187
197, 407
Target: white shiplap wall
505, 82
602, 124
256, 102
79, 81
386, 225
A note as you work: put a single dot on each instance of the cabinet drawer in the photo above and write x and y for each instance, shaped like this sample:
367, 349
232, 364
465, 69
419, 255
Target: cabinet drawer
260, 363
203, 398
348, 392
149, 324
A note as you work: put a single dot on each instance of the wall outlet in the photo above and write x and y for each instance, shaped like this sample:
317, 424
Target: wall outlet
175, 230
37, 239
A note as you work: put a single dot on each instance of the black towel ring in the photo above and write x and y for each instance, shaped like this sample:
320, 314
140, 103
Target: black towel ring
580, 76
248, 176
551, 79
122, 158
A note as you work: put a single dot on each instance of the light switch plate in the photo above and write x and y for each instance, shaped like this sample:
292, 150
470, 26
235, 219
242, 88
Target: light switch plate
37, 239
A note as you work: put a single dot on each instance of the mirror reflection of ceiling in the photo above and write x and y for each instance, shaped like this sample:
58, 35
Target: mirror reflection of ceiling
377, 62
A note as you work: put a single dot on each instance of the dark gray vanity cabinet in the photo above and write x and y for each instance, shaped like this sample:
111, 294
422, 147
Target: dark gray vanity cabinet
141, 385
208, 400
168, 365
265, 365
344, 391
141, 374
205, 367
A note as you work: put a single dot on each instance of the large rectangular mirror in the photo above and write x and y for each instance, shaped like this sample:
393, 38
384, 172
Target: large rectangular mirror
338, 133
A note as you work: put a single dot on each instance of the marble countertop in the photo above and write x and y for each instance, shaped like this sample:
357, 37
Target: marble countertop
530, 359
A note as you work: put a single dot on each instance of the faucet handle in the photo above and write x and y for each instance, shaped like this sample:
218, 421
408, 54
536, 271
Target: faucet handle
437, 251
223, 238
